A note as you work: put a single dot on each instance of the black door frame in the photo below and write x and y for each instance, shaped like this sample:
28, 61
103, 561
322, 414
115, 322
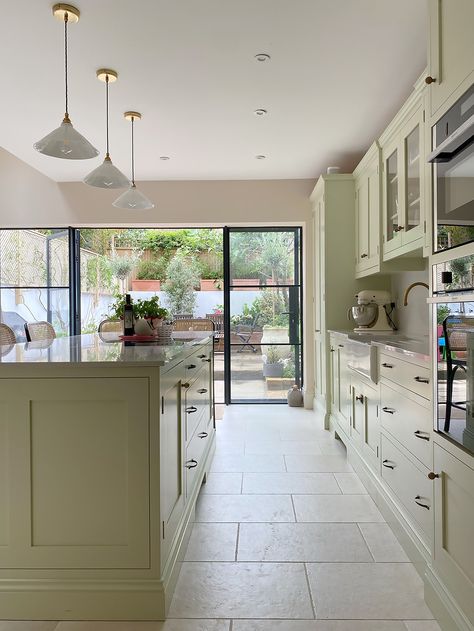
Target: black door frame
296, 297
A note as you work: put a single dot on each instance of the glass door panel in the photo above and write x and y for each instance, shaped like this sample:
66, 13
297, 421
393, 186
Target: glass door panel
413, 179
392, 195
34, 279
264, 305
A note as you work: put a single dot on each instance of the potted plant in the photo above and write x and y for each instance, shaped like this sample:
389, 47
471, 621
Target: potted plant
149, 315
182, 275
121, 266
272, 363
211, 278
149, 275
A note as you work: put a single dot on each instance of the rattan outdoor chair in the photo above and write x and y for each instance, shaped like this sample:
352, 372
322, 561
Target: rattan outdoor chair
7, 335
36, 331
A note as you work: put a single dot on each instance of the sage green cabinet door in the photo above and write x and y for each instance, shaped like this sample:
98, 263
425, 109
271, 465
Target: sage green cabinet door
451, 48
453, 526
362, 223
171, 456
76, 490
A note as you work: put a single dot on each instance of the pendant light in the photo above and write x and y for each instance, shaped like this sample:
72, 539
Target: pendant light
107, 175
65, 142
133, 198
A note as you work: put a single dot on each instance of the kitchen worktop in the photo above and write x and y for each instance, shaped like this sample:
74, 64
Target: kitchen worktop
103, 349
416, 347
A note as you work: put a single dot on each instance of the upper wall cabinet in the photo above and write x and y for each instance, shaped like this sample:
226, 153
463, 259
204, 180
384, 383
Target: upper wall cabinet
367, 210
450, 52
403, 173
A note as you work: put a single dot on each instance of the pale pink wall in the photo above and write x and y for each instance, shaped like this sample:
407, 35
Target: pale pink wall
29, 198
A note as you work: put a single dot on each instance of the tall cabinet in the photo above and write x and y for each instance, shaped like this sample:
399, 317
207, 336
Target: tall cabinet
335, 285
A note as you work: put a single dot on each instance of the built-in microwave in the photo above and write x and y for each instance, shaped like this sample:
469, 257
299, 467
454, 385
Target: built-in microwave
453, 175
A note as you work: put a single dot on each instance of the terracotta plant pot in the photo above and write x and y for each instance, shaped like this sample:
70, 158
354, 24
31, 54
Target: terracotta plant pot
146, 285
254, 282
211, 284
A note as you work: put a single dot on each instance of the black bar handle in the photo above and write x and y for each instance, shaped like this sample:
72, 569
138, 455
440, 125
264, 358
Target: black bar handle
418, 497
421, 435
421, 379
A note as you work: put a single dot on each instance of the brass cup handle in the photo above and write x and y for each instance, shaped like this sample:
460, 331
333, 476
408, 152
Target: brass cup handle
203, 435
191, 409
388, 410
432, 475
421, 435
191, 464
385, 365
416, 500
388, 466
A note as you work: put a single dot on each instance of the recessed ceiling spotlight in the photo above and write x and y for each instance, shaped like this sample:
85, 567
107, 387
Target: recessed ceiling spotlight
164, 157
260, 157
260, 112
262, 57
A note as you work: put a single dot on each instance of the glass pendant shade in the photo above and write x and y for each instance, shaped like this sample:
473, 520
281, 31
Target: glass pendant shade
133, 199
107, 176
65, 142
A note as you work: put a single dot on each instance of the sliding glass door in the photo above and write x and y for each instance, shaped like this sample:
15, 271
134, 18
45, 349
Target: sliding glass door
262, 313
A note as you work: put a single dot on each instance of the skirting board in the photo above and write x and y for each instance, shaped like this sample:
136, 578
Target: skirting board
440, 601
114, 599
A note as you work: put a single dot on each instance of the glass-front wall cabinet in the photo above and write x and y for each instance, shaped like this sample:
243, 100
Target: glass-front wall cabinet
403, 187
413, 179
392, 204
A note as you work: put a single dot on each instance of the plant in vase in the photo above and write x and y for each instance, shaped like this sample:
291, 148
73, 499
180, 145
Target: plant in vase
272, 363
149, 315
149, 275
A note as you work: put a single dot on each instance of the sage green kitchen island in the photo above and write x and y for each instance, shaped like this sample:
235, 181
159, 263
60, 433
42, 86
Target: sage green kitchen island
103, 450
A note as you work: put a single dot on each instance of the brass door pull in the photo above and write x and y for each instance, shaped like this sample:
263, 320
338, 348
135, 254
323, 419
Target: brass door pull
185, 385
429, 80
433, 476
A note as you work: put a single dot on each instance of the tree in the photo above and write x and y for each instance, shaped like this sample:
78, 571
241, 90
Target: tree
182, 275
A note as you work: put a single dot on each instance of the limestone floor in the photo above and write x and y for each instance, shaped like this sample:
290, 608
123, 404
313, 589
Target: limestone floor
286, 539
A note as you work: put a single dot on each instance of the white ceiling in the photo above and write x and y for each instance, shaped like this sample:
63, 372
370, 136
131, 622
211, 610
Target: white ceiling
339, 70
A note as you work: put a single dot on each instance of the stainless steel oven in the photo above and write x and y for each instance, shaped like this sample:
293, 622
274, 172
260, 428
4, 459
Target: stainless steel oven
453, 175
453, 338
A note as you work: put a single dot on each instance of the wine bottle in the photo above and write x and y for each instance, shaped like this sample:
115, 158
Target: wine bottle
128, 326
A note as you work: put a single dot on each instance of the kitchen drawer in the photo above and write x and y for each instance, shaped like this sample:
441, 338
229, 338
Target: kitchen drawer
415, 378
197, 402
194, 455
409, 422
410, 484
200, 359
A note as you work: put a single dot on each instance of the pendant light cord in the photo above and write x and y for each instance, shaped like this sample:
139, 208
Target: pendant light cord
66, 115
133, 153
107, 114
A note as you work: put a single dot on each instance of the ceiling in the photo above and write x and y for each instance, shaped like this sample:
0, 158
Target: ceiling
339, 70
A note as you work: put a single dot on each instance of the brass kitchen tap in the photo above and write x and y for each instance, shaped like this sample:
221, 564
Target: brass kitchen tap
409, 288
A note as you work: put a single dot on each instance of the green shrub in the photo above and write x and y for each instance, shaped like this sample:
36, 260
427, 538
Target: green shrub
152, 270
182, 276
